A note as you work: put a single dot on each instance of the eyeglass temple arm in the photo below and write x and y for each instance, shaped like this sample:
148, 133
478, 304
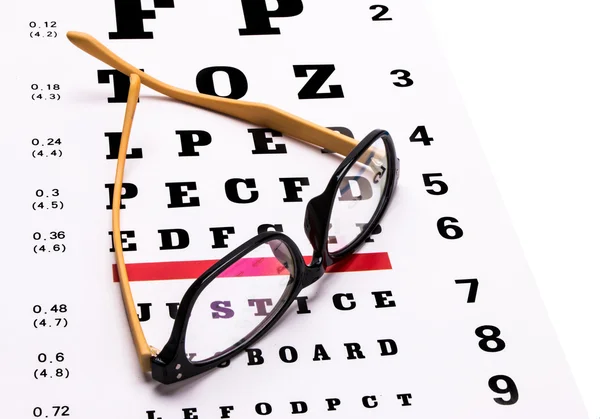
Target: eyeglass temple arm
144, 351
256, 113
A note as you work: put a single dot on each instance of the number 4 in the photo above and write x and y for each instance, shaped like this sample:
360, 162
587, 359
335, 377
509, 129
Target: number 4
424, 137
473, 285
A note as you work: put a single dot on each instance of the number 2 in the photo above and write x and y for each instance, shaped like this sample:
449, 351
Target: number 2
383, 11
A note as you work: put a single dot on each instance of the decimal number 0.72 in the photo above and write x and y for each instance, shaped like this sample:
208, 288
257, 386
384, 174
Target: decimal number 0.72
51, 412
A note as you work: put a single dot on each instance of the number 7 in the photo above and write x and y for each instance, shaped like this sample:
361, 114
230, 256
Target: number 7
473, 284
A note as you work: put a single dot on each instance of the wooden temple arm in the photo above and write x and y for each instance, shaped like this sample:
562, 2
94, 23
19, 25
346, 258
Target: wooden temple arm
144, 351
256, 113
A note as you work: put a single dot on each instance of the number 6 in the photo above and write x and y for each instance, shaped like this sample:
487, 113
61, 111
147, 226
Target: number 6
443, 228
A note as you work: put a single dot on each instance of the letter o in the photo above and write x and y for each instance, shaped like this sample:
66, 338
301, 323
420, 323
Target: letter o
205, 82
263, 409
291, 358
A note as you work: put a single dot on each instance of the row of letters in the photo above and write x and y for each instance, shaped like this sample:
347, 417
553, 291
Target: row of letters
289, 354
237, 82
332, 404
258, 16
179, 238
342, 301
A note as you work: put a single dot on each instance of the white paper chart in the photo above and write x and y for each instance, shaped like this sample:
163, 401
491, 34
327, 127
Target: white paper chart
444, 320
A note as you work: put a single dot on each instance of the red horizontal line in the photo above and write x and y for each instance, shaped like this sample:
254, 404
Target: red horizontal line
191, 269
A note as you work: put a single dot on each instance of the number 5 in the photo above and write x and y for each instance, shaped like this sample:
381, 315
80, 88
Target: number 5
428, 182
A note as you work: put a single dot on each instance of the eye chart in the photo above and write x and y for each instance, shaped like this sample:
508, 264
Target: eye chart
442, 318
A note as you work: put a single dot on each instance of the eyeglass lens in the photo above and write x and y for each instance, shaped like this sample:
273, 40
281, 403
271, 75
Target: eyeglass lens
358, 196
239, 300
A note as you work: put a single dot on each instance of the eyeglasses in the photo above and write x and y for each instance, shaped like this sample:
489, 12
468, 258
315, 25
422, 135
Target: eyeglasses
269, 269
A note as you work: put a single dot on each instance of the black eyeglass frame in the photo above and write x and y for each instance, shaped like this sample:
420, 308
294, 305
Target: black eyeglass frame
172, 363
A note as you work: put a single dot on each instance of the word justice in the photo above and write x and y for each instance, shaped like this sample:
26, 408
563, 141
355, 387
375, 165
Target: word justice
224, 309
330, 404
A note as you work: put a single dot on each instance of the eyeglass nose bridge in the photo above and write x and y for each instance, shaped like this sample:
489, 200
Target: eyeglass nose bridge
316, 218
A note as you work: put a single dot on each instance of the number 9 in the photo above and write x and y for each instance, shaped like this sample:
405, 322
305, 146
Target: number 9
511, 388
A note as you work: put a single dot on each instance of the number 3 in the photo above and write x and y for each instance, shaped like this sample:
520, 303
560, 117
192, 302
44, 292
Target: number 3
403, 77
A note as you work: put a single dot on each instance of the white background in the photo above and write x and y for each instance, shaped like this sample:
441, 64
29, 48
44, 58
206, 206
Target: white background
528, 75
528, 72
